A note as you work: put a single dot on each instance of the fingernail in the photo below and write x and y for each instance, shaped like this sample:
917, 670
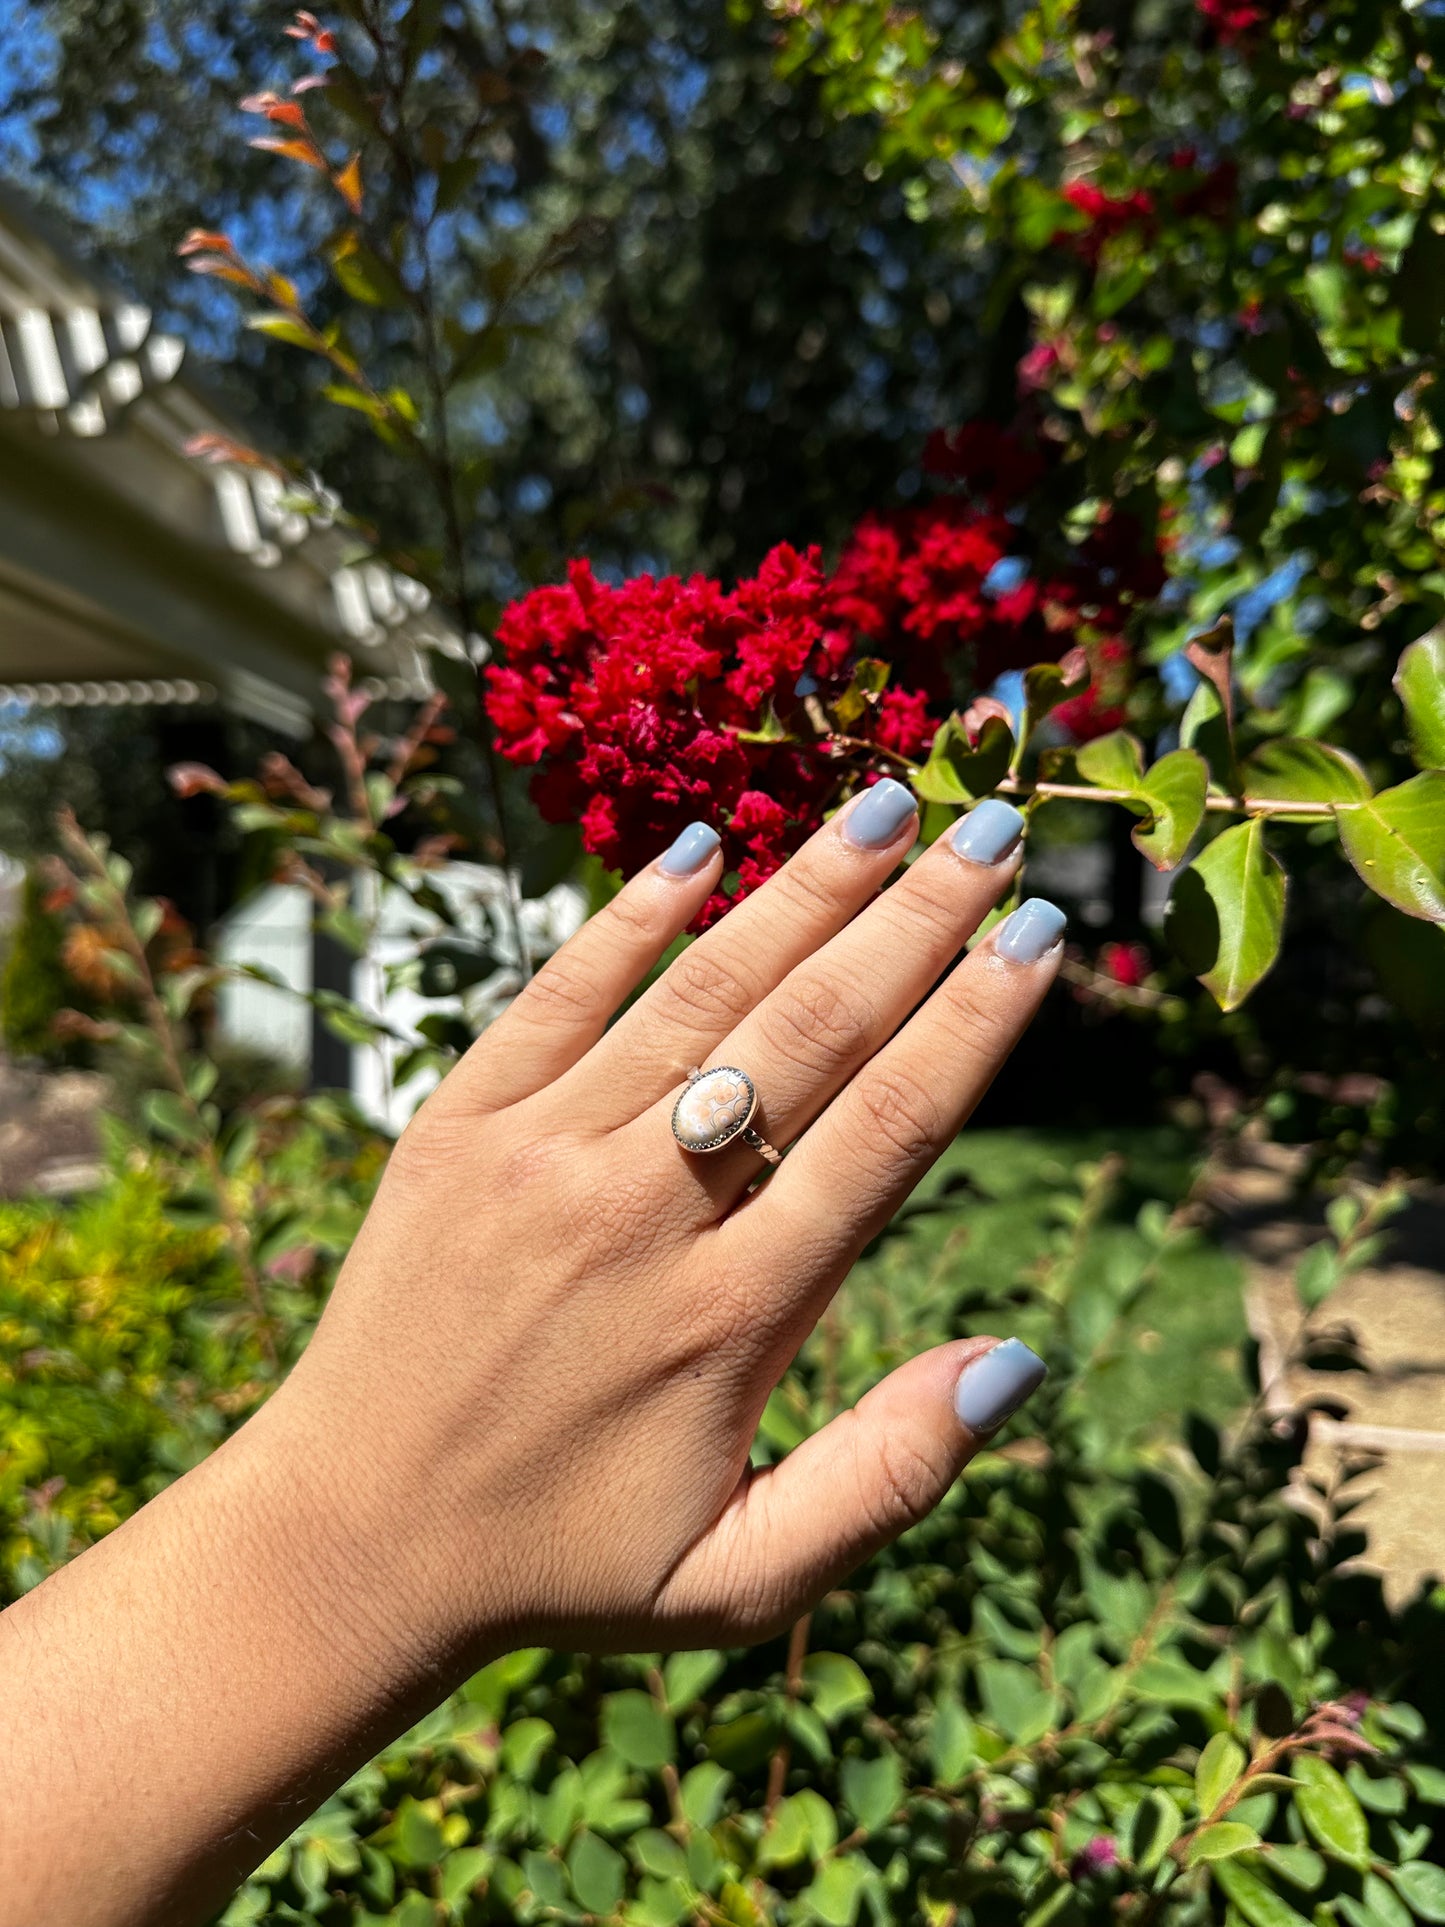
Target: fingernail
875, 821
691, 850
989, 831
1033, 929
992, 1388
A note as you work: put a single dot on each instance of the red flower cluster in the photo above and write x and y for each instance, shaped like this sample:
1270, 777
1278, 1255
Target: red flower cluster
1232, 20
631, 699
654, 702
1107, 215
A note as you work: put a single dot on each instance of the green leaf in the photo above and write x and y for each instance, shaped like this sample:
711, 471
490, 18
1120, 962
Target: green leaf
1047, 684
1219, 1842
171, 1117
1226, 913
1156, 1824
1294, 769
702, 1791
281, 327
1383, 1903
1302, 1867
785, 1838
1173, 1680
658, 1853
836, 1889
957, 772
1388, 1794
418, 1833
635, 1726
1429, 1784
1256, 1900
872, 1789
523, 1745
1317, 1274
1420, 685
1203, 728
1174, 789
1396, 842
1217, 1771
1423, 1885
1016, 1701
544, 1876
598, 1873
1329, 1809
364, 275
837, 1685
462, 1870
950, 1742
687, 1676
1113, 762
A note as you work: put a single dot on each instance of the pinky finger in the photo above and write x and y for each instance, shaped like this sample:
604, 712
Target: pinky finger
566, 1007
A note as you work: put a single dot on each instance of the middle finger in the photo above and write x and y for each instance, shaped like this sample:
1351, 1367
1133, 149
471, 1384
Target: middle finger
829, 1015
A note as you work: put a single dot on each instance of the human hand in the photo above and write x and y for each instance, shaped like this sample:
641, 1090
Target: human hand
548, 1352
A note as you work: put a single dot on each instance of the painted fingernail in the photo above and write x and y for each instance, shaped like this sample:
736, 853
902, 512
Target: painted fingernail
875, 821
691, 850
1032, 931
989, 831
992, 1388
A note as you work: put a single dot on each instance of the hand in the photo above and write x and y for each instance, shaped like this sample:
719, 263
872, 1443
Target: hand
558, 1329
526, 1414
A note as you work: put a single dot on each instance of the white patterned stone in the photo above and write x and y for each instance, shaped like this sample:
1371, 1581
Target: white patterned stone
713, 1109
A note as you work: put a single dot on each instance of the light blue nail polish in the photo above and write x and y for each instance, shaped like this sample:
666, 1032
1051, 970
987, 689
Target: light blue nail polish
1033, 929
691, 850
990, 1389
879, 816
989, 831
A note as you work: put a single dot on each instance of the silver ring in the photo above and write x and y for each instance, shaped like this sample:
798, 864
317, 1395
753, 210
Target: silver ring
715, 1107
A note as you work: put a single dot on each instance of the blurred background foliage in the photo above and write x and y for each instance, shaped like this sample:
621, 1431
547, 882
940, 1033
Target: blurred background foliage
712, 278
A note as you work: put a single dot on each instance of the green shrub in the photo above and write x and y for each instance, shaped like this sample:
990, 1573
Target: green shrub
1118, 1674
129, 1346
33, 984
1118, 1671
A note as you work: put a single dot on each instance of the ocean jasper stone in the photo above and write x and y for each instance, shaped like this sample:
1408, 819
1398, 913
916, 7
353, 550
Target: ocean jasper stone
713, 1109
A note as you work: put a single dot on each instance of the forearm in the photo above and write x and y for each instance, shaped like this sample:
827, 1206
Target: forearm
178, 1699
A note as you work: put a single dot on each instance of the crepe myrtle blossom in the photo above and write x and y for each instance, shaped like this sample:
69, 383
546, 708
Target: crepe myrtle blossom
644, 704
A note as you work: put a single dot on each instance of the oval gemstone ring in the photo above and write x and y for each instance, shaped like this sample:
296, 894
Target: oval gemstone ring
717, 1106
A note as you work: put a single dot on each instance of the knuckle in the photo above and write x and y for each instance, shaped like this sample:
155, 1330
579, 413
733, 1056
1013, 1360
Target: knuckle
632, 918
819, 1023
801, 886
562, 991
926, 899
905, 1478
904, 1112
701, 986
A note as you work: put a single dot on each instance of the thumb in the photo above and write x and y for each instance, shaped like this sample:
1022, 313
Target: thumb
795, 1529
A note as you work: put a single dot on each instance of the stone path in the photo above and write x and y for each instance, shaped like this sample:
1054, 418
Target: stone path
48, 1137
1388, 1417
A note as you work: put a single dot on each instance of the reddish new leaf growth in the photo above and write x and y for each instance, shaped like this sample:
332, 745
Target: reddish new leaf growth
1212, 654
307, 27
304, 151
286, 113
347, 182
195, 779
221, 448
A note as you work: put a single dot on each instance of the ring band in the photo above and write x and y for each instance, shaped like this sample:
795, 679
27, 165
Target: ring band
715, 1107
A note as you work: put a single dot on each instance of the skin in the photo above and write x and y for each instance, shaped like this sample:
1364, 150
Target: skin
525, 1417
